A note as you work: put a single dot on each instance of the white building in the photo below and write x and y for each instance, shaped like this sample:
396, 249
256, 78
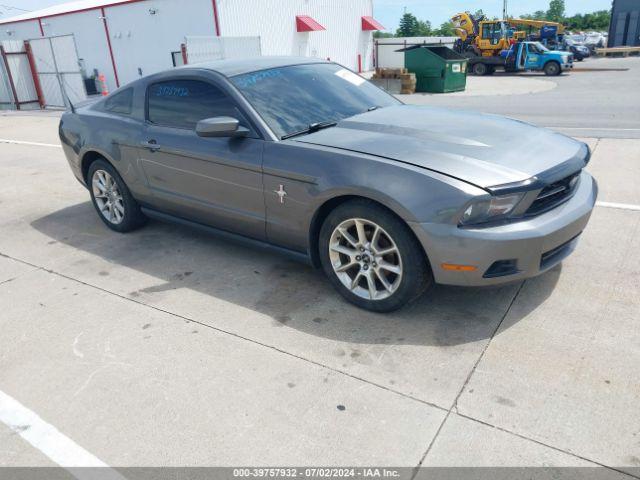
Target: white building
124, 39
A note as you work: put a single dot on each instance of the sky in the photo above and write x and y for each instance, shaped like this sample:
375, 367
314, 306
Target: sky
388, 12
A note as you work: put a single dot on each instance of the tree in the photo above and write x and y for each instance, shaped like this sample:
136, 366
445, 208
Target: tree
588, 21
378, 34
538, 15
424, 29
445, 30
599, 20
556, 11
408, 26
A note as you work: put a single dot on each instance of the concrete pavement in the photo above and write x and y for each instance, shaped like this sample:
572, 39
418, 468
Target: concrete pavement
601, 102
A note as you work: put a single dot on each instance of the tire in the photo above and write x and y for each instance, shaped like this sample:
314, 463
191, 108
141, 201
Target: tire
360, 269
112, 199
552, 69
480, 69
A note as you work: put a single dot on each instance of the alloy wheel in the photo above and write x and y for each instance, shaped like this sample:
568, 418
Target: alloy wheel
365, 259
108, 197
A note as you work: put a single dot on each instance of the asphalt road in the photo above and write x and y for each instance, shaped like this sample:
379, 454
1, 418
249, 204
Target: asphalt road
595, 100
167, 347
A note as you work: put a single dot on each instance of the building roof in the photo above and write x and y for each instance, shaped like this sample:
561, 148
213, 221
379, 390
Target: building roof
61, 9
239, 66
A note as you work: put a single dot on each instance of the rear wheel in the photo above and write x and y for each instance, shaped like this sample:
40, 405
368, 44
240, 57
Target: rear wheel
552, 69
480, 69
372, 258
112, 199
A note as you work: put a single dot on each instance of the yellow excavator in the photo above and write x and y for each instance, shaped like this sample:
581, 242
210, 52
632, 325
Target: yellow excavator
487, 38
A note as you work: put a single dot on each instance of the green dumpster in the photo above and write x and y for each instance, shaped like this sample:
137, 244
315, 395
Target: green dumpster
438, 69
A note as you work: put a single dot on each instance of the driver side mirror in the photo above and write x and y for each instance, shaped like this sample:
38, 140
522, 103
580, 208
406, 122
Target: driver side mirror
220, 127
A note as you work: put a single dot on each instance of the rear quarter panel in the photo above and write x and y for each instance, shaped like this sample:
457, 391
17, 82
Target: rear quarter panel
114, 137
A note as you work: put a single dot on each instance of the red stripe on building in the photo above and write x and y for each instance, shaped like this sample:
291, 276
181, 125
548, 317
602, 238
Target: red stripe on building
34, 73
41, 29
215, 17
183, 50
113, 60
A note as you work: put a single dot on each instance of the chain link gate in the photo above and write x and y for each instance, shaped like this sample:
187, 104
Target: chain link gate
58, 70
17, 87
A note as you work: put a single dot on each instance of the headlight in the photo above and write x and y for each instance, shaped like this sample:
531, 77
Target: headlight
490, 209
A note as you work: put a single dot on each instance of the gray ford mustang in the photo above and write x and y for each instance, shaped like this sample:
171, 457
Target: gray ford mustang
306, 157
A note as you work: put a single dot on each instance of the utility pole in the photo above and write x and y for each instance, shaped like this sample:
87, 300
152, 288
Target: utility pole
504, 10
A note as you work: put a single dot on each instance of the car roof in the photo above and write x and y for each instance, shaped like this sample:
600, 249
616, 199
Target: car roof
238, 66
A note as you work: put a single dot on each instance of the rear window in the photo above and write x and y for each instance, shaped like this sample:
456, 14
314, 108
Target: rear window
120, 103
183, 103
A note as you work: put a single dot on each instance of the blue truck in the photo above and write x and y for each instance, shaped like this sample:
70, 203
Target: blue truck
523, 56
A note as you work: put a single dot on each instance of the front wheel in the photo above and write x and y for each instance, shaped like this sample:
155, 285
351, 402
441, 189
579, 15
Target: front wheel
552, 69
372, 258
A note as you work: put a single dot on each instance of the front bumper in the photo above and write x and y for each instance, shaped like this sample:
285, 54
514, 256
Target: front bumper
536, 244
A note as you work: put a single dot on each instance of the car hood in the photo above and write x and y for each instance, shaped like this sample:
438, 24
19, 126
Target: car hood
481, 149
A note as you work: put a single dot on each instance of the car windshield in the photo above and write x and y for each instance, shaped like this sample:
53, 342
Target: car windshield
293, 98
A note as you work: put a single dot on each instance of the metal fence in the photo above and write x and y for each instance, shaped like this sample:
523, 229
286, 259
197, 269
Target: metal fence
203, 48
58, 70
42, 72
17, 88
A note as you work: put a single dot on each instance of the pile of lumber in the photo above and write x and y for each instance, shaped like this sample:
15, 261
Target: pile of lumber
408, 79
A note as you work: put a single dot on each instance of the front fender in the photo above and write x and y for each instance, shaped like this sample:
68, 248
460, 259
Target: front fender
316, 176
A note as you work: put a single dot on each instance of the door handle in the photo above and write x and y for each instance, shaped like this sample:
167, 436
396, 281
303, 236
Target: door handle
151, 145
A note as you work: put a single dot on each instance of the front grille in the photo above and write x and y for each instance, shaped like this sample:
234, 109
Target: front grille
555, 194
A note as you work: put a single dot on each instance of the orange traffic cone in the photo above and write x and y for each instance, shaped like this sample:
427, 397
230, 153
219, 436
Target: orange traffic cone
103, 82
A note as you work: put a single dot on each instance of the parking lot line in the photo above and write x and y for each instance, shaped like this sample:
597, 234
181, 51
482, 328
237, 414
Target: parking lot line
49, 440
597, 129
35, 144
620, 206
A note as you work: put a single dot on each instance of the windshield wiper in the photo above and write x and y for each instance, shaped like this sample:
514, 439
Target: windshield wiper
314, 127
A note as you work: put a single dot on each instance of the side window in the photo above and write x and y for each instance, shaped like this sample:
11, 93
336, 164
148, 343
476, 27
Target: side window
183, 103
486, 32
120, 103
